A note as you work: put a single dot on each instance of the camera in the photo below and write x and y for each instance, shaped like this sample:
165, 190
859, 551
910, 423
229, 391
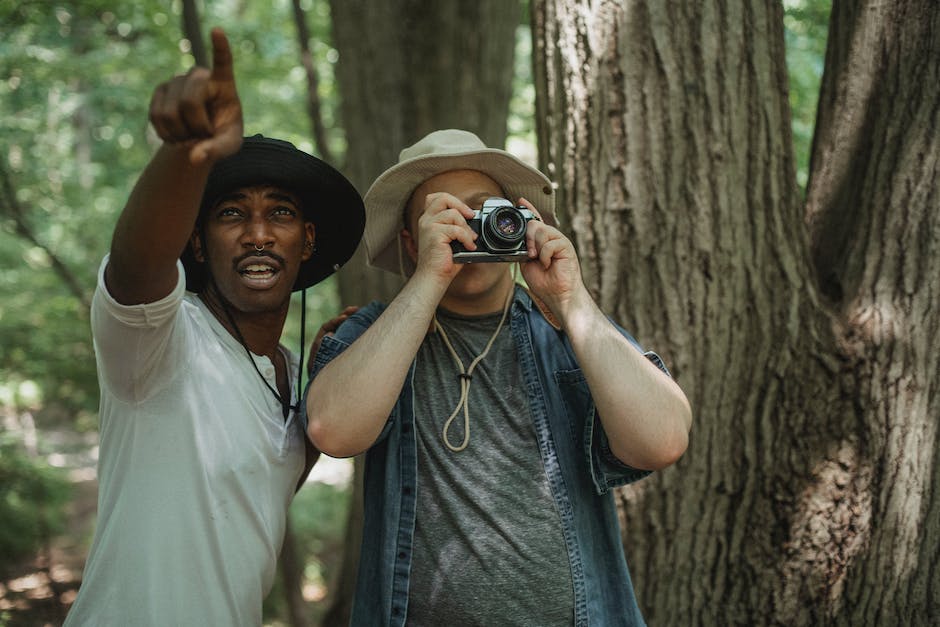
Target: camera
501, 228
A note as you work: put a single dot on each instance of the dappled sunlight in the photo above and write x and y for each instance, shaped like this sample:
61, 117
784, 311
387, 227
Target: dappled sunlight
44, 592
831, 525
314, 592
337, 473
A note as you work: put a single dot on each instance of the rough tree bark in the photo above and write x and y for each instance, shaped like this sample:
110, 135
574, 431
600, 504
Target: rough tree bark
408, 67
803, 336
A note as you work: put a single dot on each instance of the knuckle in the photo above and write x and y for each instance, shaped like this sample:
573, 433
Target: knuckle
190, 103
160, 115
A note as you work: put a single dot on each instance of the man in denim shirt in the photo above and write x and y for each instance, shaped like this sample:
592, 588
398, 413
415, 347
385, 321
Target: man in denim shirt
495, 419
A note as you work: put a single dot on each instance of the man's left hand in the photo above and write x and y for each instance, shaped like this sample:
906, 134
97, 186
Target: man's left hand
553, 272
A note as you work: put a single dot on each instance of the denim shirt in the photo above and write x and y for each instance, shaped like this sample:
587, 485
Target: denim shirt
580, 468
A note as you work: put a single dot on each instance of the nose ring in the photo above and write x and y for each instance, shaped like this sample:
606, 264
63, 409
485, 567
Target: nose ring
259, 248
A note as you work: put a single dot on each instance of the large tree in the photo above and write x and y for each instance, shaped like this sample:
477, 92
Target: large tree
802, 330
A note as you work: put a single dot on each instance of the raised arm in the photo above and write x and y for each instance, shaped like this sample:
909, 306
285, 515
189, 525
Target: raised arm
644, 412
199, 118
351, 398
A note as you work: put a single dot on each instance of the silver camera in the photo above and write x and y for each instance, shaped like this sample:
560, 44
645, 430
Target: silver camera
501, 228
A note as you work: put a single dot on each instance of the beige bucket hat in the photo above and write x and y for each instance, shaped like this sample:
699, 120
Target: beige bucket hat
438, 152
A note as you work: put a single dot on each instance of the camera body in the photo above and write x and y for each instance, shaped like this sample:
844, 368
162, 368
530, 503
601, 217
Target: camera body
501, 228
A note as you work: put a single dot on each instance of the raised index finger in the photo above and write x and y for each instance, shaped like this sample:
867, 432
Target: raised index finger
437, 202
221, 57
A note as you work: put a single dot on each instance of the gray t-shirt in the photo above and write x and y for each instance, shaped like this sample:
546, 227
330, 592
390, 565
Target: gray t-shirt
488, 546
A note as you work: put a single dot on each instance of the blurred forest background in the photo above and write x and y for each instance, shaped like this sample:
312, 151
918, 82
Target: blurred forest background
75, 82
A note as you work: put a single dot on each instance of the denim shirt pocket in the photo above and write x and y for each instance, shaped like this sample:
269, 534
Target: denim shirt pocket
588, 434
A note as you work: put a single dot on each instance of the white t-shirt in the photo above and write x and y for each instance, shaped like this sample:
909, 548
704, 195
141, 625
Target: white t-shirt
196, 470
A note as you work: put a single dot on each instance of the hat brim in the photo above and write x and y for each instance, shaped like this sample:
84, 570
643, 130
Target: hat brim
327, 198
385, 201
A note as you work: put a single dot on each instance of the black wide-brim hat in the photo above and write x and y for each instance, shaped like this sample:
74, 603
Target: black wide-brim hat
327, 198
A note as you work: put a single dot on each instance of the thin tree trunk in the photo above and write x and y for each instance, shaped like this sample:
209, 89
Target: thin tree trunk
192, 30
10, 207
291, 567
343, 587
313, 82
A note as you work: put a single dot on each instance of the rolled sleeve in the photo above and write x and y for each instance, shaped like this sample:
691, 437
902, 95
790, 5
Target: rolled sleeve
607, 471
139, 348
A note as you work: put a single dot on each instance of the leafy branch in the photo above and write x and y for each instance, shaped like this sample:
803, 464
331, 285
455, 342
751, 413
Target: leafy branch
11, 208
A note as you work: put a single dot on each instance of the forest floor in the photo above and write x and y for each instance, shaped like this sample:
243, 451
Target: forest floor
38, 591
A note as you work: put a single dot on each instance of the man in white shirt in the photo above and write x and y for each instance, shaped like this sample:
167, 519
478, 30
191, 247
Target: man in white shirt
201, 447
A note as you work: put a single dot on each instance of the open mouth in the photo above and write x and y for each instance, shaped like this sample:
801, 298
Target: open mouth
259, 273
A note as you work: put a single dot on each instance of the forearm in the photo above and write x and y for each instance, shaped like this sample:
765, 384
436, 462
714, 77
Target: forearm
645, 414
350, 400
155, 226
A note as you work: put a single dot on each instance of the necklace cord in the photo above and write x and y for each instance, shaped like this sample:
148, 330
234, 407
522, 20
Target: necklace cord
466, 377
286, 406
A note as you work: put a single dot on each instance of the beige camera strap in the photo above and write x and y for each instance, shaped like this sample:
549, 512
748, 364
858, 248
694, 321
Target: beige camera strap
466, 376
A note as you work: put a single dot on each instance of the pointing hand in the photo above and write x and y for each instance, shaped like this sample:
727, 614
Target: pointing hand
201, 108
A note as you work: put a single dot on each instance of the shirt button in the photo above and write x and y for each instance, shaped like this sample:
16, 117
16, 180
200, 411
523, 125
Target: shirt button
406, 490
402, 555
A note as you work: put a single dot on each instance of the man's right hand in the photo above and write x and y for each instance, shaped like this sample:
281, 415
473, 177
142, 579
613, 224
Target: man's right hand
201, 109
444, 220
199, 118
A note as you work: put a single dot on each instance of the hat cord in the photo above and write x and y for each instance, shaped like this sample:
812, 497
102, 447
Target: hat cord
466, 376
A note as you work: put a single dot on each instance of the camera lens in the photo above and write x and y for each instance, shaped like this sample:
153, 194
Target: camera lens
505, 226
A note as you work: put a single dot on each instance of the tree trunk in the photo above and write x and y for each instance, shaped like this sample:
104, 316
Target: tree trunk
291, 568
344, 586
313, 83
872, 207
666, 125
11, 209
406, 68
192, 30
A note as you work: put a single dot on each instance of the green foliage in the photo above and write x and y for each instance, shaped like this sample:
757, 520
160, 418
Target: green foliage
75, 83
72, 133
521, 123
806, 24
319, 516
32, 497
